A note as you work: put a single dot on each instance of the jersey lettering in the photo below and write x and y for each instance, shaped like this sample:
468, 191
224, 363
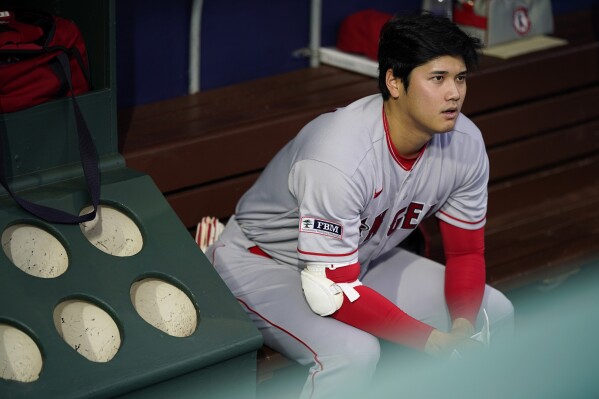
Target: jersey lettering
376, 225
396, 220
408, 217
412, 217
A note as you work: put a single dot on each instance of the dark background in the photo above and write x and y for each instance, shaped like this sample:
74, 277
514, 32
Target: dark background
241, 40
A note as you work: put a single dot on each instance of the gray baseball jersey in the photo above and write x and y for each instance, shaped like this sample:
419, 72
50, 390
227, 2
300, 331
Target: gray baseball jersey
339, 192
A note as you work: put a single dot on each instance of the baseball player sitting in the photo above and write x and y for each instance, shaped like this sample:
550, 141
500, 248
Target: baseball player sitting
312, 250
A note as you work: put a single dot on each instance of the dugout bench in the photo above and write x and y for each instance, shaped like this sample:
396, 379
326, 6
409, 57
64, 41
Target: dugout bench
538, 113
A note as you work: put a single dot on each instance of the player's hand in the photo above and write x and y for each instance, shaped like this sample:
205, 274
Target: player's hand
462, 328
442, 344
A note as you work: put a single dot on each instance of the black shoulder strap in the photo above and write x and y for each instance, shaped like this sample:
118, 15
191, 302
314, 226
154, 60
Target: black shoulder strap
89, 161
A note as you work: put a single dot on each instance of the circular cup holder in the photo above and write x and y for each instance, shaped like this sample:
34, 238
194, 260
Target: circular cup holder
112, 232
88, 329
164, 306
20, 357
34, 251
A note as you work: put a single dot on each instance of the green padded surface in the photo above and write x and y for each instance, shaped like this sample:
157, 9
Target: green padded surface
147, 356
42, 159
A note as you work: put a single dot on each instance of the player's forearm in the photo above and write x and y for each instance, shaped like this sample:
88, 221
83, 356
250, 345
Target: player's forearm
465, 286
375, 314
465, 270
380, 317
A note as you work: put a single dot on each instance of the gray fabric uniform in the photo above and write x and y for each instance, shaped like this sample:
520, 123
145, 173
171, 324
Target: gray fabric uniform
338, 193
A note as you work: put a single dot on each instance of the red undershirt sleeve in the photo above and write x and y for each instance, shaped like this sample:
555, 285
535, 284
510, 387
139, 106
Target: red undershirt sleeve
464, 271
375, 314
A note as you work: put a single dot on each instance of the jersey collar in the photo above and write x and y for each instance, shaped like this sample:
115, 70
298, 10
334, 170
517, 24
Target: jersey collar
404, 163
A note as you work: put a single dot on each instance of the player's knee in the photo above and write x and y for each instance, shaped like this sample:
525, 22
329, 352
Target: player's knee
348, 366
501, 313
361, 355
503, 307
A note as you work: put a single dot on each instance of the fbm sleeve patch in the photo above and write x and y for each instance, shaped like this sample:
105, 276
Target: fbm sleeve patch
319, 226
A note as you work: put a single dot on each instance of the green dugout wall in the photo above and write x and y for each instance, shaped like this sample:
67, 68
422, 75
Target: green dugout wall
76, 320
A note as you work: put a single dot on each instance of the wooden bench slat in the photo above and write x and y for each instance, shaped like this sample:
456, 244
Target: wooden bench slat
531, 190
552, 261
527, 260
532, 118
243, 104
217, 199
534, 77
523, 208
269, 362
552, 228
544, 151
204, 160
311, 79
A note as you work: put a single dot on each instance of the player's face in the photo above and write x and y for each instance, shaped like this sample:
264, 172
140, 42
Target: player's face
435, 95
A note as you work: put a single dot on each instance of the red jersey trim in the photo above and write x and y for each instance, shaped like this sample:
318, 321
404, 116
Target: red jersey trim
463, 221
320, 254
405, 163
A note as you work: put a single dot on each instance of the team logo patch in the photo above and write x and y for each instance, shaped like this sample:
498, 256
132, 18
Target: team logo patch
320, 226
521, 20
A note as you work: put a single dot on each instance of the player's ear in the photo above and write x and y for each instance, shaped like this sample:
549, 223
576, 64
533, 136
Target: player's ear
393, 83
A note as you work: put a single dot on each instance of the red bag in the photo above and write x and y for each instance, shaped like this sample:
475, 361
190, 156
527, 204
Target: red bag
359, 33
30, 74
43, 57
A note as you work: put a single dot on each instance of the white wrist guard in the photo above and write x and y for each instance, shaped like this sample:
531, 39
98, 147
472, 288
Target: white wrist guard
323, 296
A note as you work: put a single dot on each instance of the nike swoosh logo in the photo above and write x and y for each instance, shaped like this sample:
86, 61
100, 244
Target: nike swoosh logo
377, 193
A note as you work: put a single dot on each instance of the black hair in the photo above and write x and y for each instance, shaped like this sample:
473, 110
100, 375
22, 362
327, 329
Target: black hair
407, 42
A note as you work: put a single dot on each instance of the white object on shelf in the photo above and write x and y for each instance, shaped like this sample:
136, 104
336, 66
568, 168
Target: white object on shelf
352, 62
331, 55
